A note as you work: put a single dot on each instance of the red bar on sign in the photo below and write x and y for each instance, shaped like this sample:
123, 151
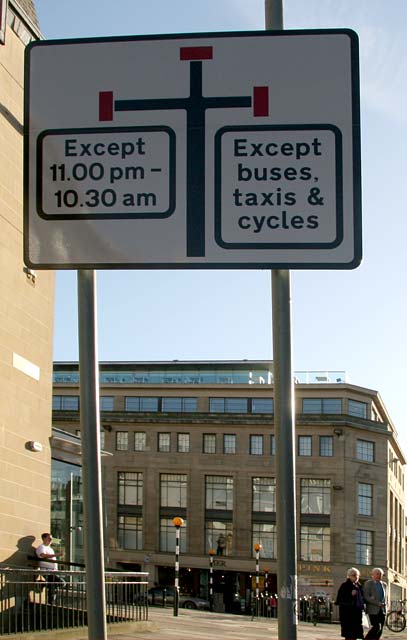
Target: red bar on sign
106, 105
260, 101
196, 53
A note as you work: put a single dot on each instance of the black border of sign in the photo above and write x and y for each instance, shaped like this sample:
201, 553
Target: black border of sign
279, 245
356, 149
110, 215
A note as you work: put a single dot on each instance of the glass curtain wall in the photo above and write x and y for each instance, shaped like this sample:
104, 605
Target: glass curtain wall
67, 512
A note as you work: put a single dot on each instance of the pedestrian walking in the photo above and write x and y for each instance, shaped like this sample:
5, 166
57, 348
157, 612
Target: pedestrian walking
48, 562
351, 606
375, 595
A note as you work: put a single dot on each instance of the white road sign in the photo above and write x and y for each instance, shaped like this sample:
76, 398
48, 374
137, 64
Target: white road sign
235, 150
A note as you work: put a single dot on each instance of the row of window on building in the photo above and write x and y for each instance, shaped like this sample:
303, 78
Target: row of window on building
227, 443
315, 498
216, 405
315, 493
229, 375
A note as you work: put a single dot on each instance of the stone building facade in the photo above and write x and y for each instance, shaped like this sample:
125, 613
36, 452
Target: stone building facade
197, 440
26, 319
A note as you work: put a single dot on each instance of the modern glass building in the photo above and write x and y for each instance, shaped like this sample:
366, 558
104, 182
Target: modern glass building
66, 497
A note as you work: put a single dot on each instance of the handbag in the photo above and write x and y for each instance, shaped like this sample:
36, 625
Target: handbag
365, 621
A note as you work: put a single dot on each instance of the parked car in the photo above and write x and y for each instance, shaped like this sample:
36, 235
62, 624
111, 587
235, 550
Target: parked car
156, 596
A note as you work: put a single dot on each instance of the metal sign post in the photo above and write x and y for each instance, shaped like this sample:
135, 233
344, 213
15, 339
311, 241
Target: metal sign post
285, 460
284, 427
91, 466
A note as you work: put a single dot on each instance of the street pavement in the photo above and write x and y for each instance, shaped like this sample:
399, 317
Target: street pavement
197, 625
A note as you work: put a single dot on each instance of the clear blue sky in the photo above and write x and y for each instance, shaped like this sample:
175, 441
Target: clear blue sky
351, 320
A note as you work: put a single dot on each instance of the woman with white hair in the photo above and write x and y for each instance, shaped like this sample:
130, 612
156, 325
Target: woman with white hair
351, 605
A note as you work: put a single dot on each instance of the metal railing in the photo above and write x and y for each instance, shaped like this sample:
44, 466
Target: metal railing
33, 600
263, 606
309, 609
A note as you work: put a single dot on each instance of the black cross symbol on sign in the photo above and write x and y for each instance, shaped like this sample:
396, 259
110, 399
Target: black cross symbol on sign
195, 106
